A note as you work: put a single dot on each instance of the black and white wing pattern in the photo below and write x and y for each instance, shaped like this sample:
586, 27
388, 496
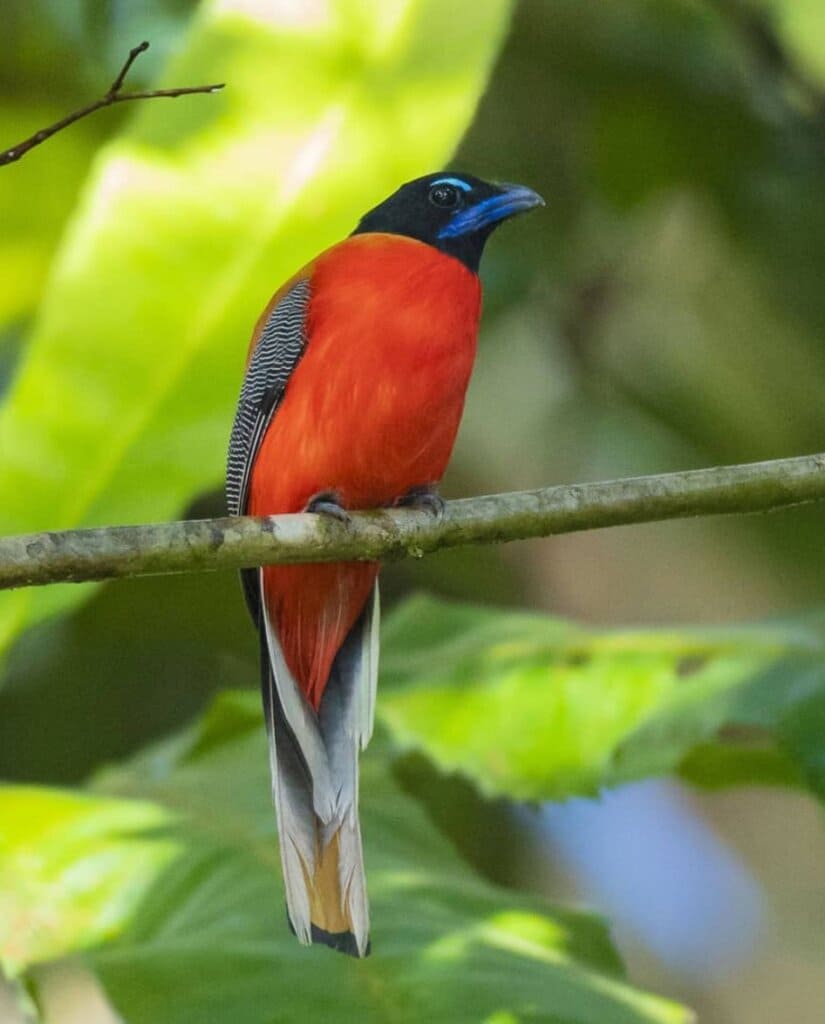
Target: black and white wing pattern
280, 346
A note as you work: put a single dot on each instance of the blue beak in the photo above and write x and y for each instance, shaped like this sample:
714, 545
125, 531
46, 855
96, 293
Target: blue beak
511, 200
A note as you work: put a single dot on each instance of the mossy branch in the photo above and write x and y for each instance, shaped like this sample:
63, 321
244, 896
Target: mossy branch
235, 543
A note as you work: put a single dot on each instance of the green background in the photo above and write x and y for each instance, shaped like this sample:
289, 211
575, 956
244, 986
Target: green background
664, 311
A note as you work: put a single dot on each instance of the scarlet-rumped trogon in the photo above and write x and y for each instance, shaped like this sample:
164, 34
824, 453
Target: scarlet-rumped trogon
354, 388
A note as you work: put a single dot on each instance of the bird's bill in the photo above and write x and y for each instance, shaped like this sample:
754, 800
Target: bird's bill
510, 200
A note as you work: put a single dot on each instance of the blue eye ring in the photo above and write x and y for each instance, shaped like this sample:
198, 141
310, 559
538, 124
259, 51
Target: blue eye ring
445, 193
457, 182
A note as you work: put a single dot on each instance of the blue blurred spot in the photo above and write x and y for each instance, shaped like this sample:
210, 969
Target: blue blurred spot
642, 855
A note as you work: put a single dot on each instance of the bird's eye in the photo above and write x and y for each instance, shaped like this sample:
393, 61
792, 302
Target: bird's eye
444, 195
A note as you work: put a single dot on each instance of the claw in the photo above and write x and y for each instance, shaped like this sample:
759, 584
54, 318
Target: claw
327, 503
425, 498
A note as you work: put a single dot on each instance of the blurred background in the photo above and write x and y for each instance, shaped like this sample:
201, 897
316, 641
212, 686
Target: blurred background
666, 311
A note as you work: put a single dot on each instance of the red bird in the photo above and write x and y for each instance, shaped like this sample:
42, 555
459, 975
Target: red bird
354, 389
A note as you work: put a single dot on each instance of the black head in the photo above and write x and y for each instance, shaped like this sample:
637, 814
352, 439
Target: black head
454, 212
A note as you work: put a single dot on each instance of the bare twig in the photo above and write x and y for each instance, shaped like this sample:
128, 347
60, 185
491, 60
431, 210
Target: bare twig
114, 95
234, 543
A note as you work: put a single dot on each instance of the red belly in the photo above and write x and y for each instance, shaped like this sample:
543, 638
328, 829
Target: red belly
371, 410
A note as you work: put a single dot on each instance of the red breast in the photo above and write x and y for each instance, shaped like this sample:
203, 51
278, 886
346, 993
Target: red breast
371, 410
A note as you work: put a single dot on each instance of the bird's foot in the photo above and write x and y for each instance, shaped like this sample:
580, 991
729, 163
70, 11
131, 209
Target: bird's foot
425, 498
328, 503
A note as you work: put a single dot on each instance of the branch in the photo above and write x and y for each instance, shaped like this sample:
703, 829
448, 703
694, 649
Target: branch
114, 95
242, 542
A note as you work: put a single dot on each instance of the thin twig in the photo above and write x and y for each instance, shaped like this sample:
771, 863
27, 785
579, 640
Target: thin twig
134, 53
234, 543
114, 95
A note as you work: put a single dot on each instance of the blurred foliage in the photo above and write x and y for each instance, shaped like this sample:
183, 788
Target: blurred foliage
525, 706
195, 931
72, 869
542, 709
666, 310
32, 211
133, 663
38, 85
120, 409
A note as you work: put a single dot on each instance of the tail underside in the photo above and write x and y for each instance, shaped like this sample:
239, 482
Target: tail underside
314, 761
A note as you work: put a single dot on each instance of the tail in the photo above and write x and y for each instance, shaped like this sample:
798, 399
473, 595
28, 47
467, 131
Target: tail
314, 761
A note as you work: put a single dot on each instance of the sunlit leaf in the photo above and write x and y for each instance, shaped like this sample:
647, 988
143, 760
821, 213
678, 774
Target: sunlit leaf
121, 410
34, 205
205, 937
73, 869
537, 708
801, 27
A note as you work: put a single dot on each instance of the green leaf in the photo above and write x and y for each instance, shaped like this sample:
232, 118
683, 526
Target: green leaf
73, 869
801, 25
200, 933
537, 708
121, 409
39, 87
34, 205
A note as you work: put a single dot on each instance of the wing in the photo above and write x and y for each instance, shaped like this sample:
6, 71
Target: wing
277, 346
280, 344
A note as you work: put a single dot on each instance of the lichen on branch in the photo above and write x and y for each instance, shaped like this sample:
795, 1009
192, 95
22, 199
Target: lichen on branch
387, 534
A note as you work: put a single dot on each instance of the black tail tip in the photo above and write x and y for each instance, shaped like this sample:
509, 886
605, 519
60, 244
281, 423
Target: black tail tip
341, 942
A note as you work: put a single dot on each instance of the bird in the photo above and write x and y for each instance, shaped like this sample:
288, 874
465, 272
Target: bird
353, 390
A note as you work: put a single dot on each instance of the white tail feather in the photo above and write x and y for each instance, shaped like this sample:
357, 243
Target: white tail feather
314, 762
302, 721
368, 690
